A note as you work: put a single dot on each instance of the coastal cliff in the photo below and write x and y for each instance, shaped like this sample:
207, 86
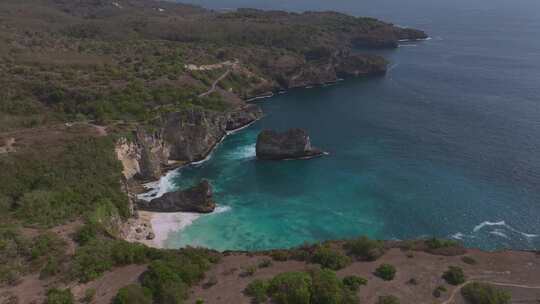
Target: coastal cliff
178, 138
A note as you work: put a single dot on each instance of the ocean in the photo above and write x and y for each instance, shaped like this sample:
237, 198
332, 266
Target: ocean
447, 144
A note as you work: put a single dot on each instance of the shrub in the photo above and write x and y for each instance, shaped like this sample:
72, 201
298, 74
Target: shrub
482, 293
57, 296
437, 292
316, 287
365, 248
388, 300
280, 255
327, 288
92, 260
469, 260
165, 284
386, 272
248, 271
133, 294
89, 295
257, 290
329, 258
265, 263
291, 287
435, 243
354, 282
454, 275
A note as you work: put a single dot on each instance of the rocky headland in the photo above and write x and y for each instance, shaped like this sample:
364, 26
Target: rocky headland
291, 144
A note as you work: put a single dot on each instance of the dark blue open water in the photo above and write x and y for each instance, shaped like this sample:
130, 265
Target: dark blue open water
447, 144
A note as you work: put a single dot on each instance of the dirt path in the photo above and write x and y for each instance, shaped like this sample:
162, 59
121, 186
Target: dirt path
214, 85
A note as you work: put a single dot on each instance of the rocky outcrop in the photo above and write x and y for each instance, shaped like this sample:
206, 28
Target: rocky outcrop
360, 65
243, 117
178, 138
196, 199
291, 144
290, 71
386, 37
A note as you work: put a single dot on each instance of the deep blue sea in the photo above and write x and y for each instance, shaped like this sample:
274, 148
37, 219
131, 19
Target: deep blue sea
446, 144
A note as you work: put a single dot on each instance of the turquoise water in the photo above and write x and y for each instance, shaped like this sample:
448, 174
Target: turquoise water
446, 144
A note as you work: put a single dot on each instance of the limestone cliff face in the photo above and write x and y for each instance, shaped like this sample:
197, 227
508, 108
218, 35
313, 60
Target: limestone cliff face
295, 71
178, 138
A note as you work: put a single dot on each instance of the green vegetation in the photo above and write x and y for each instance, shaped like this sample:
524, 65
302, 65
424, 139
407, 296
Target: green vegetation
329, 258
248, 271
364, 248
388, 300
265, 263
327, 288
48, 188
133, 294
313, 287
257, 290
291, 287
57, 296
19, 255
454, 275
280, 255
437, 292
469, 260
89, 295
386, 272
482, 293
354, 282
435, 243
169, 277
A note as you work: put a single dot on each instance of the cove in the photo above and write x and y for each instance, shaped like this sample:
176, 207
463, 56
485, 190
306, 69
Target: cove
446, 144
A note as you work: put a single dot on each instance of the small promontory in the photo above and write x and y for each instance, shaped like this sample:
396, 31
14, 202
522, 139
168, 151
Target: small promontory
291, 144
196, 199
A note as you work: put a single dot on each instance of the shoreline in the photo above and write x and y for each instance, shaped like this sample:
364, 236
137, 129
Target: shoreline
167, 223
161, 224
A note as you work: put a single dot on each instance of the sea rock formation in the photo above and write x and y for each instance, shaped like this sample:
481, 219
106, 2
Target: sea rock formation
291, 144
196, 199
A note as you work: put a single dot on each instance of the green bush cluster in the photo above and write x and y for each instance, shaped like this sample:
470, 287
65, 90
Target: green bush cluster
435, 243
354, 282
437, 292
387, 300
50, 187
454, 275
169, 277
57, 296
314, 287
19, 255
257, 290
386, 272
133, 294
483, 293
329, 258
365, 249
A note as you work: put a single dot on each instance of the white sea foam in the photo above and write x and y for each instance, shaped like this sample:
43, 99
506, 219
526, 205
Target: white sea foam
260, 97
158, 188
457, 236
500, 233
222, 209
243, 152
502, 224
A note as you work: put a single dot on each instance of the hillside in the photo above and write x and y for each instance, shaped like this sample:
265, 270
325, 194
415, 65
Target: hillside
101, 96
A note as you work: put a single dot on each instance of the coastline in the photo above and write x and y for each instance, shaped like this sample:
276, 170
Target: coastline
160, 224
